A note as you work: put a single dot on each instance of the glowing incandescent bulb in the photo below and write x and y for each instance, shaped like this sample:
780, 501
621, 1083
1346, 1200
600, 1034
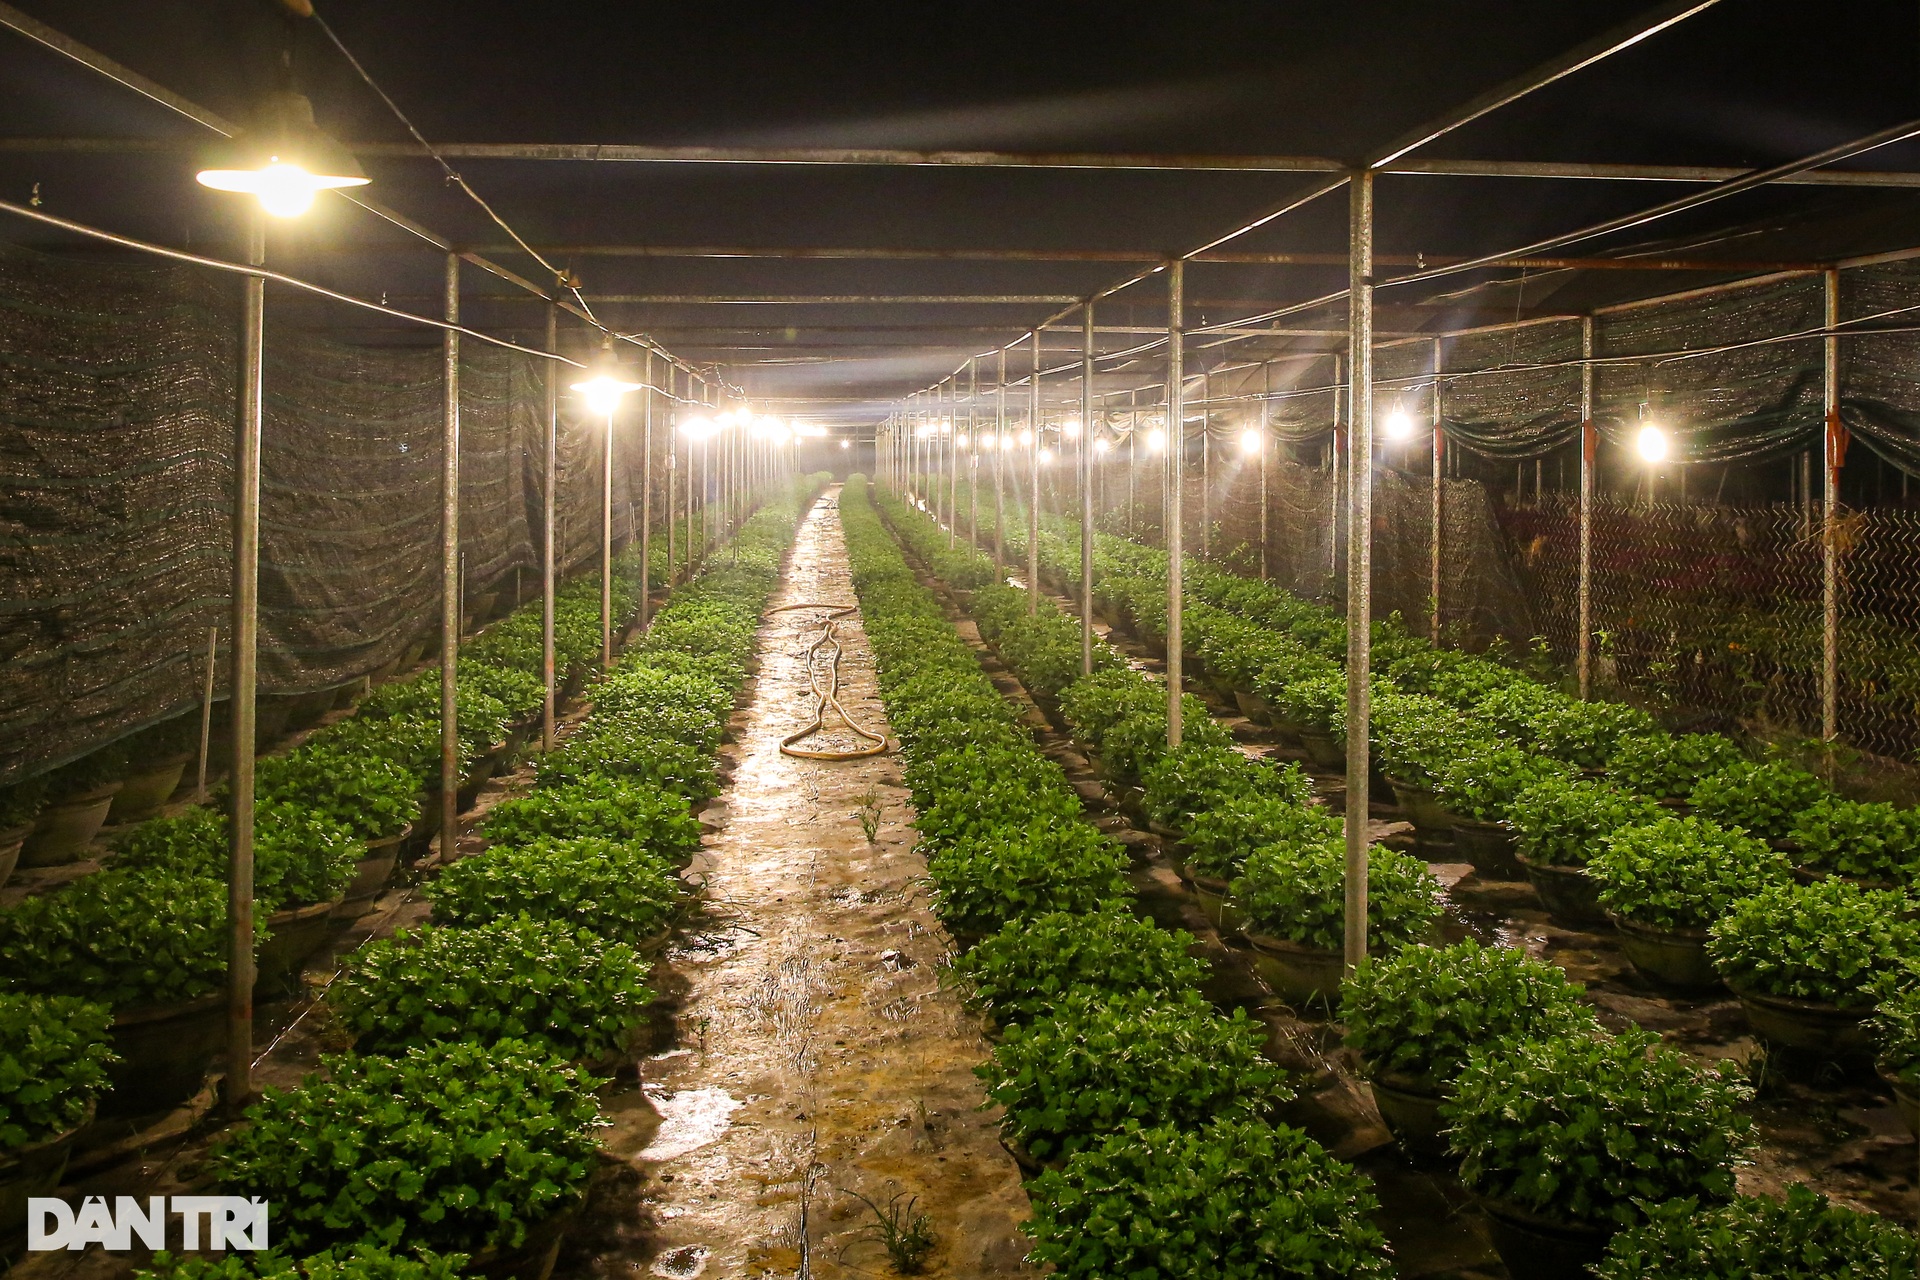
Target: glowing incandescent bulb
1250, 442
1399, 425
605, 381
1652, 443
1156, 441
283, 161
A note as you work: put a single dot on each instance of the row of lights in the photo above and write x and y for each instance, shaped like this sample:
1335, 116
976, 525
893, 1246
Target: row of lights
1651, 442
287, 159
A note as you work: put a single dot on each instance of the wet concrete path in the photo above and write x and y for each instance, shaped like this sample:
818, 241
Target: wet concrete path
813, 1053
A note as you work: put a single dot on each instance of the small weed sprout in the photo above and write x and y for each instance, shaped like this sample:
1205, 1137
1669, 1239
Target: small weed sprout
869, 814
905, 1234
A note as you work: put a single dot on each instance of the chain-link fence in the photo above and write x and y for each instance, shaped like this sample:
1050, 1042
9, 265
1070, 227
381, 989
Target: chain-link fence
1707, 566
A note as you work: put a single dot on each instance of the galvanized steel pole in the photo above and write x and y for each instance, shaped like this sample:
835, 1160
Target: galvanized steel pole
1206, 466
673, 473
1589, 456
245, 671
547, 506
1433, 540
1033, 483
1086, 493
1175, 475
1000, 475
1266, 446
1336, 539
450, 569
1833, 454
606, 545
646, 494
1359, 557
973, 453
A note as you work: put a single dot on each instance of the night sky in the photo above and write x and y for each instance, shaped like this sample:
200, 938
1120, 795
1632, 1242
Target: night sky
1747, 83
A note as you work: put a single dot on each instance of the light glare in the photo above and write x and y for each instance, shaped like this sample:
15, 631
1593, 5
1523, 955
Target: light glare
1399, 425
1652, 443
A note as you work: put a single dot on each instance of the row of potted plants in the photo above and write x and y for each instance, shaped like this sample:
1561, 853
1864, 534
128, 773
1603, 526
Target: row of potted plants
1569, 1134
478, 1040
144, 940
1587, 798
1148, 1118
51, 819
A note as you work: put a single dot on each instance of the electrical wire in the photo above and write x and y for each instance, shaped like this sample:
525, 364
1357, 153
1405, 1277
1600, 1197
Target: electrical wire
564, 278
829, 696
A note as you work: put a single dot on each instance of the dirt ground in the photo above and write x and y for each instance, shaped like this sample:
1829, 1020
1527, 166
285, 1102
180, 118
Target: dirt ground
813, 1052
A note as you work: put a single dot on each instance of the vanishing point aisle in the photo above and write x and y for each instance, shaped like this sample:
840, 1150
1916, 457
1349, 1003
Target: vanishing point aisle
817, 1054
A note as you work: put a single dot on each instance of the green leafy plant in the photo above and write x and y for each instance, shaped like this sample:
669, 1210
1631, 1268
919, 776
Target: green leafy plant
454, 1146
554, 986
123, 938
1193, 777
1419, 736
1101, 1062
54, 1055
1833, 942
300, 855
1586, 734
1029, 966
1763, 800
1895, 1025
1298, 893
1219, 840
1562, 821
596, 805
1753, 1238
617, 890
372, 795
1683, 873
361, 1260
1851, 838
1589, 1129
1668, 766
1023, 871
635, 750
1483, 785
1420, 1012
1231, 1199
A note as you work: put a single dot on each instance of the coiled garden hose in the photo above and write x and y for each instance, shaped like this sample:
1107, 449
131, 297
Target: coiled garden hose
829, 696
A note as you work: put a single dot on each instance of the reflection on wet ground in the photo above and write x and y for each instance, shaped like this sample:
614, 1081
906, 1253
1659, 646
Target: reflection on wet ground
813, 1052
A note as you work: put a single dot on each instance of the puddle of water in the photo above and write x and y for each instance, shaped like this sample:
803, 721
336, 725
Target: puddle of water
689, 1120
683, 1263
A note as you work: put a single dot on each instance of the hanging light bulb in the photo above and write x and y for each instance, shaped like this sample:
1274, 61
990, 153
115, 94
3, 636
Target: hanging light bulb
1652, 443
1157, 440
697, 428
1250, 442
1070, 429
1101, 445
1026, 436
1399, 425
960, 440
1046, 457
282, 161
846, 444
605, 381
